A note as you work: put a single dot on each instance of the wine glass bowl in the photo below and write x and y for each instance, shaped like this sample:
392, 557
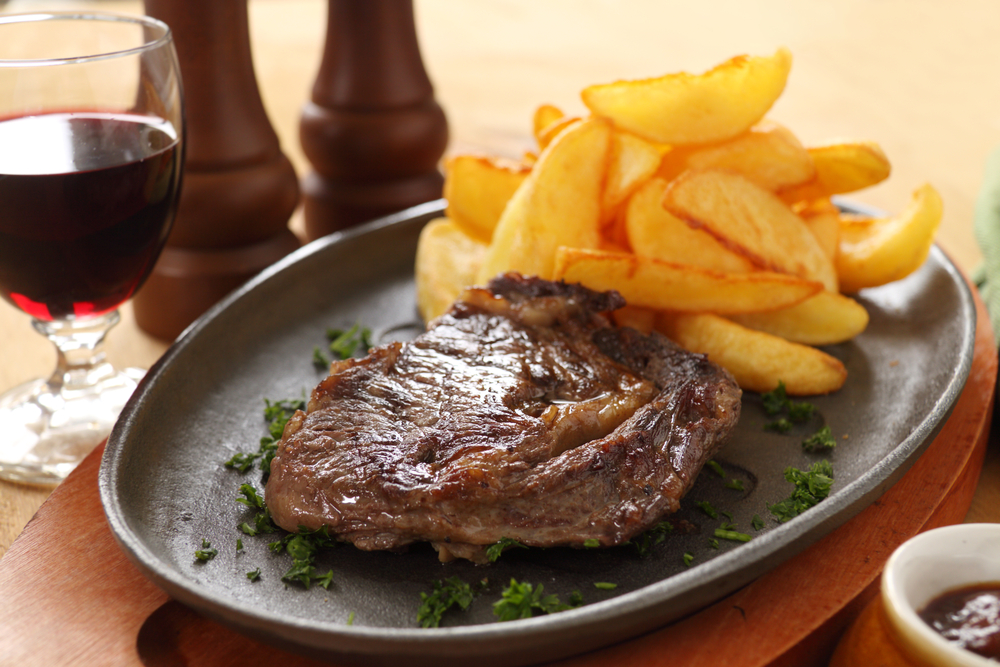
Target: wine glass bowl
91, 152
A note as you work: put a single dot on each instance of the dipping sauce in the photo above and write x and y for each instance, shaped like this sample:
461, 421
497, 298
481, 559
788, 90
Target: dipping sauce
969, 617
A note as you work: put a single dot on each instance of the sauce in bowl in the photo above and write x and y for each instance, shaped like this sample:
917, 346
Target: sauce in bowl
968, 617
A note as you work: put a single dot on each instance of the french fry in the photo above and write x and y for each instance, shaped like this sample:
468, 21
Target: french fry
655, 232
840, 168
768, 154
447, 261
757, 360
824, 319
558, 204
652, 283
751, 221
477, 189
889, 249
552, 130
822, 218
685, 108
631, 162
640, 319
544, 116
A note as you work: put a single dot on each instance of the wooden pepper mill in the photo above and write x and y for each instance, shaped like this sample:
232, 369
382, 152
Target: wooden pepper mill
372, 131
239, 190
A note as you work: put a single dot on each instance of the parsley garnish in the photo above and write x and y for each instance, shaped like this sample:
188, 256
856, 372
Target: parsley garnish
716, 468
777, 401
591, 543
688, 558
727, 533
605, 585
254, 576
707, 508
494, 550
820, 441
524, 600
645, 542
811, 487
261, 522
343, 344
757, 522
446, 594
276, 414
735, 484
206, 553
303, 547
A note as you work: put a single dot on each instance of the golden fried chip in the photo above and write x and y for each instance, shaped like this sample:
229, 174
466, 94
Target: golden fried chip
751, 221
544, 116
685, 108
824, 319
758, 360
655, 232
651, 283
768, 154
889, 249
632, 161
478, 188
558, 204
447, 262
841, 167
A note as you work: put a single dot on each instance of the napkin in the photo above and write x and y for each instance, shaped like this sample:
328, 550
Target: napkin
986, 225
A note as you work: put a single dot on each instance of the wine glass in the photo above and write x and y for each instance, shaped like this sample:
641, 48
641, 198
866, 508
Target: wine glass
91, 137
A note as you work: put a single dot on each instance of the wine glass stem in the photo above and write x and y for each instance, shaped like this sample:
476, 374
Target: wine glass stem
80, 357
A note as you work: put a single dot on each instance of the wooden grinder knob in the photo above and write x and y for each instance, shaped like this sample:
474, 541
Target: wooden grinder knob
372, 131
239, 190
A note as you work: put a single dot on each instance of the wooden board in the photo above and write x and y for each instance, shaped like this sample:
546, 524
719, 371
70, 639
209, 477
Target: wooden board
70, 596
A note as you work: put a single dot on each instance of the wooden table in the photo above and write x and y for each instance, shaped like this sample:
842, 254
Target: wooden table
917, 77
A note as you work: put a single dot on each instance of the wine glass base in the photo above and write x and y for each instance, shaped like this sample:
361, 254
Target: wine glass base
46, 431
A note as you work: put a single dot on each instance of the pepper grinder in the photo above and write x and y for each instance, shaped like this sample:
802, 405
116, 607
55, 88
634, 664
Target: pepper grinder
372, 131
239, 190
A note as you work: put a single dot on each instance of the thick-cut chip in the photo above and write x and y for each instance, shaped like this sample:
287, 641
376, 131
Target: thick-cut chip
478, 188
651, 283
748, 219
631, 162
892, 248
552, 130
655, 232
685, 108
824, 319
447, 262
558, 204
822, 217
544, 116
758, 360
840, 168
768, 154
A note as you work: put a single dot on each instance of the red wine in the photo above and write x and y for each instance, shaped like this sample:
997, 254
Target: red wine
86, 204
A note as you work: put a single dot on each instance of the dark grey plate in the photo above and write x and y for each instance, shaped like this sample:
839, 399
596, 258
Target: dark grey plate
164, 487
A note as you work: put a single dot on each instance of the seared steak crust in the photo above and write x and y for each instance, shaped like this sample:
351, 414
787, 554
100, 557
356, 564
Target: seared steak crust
521, 413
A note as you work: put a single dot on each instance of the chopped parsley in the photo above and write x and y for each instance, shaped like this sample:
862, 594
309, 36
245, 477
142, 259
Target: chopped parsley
776, 402
303, 547
254, 576
707, 508
591, 543
261, 522
206, 553
494, 550
820, 441
735, 484
446, 594
276, 414
757, 522
645, 542
343, 344
605, 585
716, 468
811, 486
726, 533
522, 600
688, 558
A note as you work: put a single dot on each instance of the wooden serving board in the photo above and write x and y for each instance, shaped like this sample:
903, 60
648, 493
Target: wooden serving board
69, 596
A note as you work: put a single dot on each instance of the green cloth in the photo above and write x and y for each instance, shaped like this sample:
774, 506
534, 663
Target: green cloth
986, 225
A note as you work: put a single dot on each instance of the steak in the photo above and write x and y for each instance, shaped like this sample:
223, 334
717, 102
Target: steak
521, 413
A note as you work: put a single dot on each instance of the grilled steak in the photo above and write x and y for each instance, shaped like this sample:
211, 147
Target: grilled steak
521, 413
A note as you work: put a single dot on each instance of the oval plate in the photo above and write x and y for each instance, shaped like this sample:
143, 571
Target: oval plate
165, 489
